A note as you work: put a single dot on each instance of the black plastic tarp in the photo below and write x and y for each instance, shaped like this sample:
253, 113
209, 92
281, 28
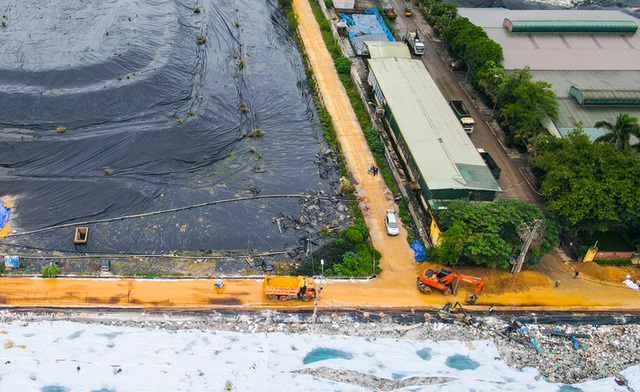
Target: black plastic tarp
113, 108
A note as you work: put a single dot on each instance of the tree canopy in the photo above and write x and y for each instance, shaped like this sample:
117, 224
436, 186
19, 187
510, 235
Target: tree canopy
481, 51
486, 234
590, 187
439, 14
620, 132
349, 254
471, 44
523, 103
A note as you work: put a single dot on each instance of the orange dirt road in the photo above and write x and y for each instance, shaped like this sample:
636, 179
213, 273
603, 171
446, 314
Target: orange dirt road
395, 288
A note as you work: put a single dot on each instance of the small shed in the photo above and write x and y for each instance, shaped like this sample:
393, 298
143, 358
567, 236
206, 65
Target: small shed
81, 235
11, 261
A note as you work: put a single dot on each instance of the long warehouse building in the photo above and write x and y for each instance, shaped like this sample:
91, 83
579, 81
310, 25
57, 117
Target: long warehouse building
429, 136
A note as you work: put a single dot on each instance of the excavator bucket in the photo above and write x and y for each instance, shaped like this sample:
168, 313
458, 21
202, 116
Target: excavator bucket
471, 299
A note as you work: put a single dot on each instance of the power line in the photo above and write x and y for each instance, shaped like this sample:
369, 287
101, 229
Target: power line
199, 205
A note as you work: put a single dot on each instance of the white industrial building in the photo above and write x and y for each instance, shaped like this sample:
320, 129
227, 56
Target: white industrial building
590, 57
438, 153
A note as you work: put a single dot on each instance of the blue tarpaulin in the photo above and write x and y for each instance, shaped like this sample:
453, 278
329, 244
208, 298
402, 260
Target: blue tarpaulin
368, 26
369, 23
12, 261
4, 214
576, 343
419, 249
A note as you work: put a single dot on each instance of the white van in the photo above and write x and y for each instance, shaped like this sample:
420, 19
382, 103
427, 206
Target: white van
391, 223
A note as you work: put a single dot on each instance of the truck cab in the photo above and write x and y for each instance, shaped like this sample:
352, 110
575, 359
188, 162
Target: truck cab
463, 115
415, 41
468, 124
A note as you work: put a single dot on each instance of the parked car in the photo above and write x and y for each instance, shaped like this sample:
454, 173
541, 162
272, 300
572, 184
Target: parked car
266, 264
391, 223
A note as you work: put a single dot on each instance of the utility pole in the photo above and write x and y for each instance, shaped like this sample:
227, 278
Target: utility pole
309, 252
315, 305
527, 234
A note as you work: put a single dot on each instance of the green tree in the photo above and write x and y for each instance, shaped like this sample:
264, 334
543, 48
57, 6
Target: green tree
466, 36
454, 28
50, 271
350, 254
343, 65
486, 234
590, 187
620, 132
525, 103
490, 76
354, 264
450, 244
442, 16
482, 50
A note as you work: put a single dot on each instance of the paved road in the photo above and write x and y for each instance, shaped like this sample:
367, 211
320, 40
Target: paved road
394, 288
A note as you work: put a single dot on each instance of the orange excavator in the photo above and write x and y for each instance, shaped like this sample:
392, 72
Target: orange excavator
445, 280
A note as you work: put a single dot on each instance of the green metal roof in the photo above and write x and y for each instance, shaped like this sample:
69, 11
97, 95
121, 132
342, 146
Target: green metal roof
570, 26
385, 49
437, 143
605, 97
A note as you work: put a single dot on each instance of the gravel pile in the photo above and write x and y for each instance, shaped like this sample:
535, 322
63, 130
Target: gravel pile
561, 352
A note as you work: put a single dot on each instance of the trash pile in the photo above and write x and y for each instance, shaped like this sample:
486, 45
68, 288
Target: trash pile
565, 353
574, 353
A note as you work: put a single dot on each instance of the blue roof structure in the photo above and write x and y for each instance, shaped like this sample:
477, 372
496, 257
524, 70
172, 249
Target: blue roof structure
368, 26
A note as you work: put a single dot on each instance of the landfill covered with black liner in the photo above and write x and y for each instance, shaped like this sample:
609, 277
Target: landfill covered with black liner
129, 107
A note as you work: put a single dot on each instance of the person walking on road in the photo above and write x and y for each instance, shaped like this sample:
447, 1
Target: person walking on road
576, 274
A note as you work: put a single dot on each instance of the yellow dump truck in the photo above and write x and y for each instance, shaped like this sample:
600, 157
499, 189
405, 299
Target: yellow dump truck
289, 287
